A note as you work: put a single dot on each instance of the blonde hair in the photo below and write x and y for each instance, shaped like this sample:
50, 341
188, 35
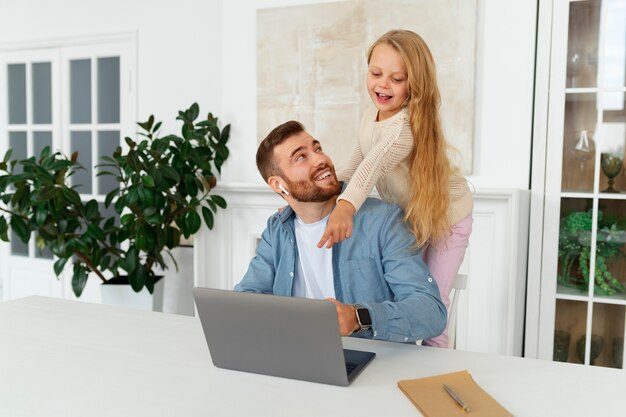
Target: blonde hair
430, 169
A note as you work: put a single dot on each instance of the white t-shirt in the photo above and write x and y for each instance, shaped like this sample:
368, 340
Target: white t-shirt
314, 275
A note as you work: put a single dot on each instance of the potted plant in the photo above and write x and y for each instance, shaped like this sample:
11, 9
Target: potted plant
575, 251
164, 192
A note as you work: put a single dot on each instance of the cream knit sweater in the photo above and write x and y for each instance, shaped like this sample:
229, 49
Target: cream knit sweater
381, 158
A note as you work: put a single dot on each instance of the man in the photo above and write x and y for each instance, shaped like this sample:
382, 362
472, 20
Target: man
377, 281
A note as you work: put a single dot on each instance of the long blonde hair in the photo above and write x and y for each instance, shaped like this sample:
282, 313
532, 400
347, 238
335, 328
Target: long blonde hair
430, 169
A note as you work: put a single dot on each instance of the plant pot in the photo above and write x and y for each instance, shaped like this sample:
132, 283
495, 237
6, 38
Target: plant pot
118, 292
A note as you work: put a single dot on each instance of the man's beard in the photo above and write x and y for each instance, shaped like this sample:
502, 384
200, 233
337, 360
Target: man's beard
307, 191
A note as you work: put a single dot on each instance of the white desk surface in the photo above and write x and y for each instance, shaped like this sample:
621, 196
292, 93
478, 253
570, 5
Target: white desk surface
67, 358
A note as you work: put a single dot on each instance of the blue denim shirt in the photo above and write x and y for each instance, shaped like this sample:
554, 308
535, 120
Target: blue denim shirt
376, 267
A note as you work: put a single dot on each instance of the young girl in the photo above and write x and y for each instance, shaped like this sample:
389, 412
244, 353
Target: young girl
402, 150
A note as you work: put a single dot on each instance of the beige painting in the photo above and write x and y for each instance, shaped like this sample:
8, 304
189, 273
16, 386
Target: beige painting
311, 66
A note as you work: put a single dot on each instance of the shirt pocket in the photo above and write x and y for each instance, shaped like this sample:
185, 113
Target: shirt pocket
363, 281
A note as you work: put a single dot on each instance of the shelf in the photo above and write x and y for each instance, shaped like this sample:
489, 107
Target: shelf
572, 294
602, 196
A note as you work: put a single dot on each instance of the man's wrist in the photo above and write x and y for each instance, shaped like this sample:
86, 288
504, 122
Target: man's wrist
363, 318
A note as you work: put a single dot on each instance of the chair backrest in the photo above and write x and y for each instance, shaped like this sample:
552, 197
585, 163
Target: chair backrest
460, 283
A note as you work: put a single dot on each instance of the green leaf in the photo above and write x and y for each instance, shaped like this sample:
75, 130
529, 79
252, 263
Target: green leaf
170, 173
225, 134
147, 181
130, 261
219, 201
47, 193
127, 218
79, 280
59, 265
110, 196
208, 217
19, 227
194, 222
95, 232
194, 111
137, 279
3, 229
91, 210
7, 155
40, 216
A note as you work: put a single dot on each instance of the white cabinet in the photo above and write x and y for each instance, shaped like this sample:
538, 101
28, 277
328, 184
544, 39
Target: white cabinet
577, 269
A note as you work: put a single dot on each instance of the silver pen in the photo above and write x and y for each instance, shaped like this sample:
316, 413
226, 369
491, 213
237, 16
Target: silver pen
456, 398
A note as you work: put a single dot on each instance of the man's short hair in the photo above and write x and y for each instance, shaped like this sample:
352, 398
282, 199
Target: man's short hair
265, 162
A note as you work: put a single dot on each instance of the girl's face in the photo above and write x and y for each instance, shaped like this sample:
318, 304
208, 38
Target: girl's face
387, 82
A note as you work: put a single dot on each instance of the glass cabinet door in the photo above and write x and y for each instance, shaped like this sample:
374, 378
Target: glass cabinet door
590, 294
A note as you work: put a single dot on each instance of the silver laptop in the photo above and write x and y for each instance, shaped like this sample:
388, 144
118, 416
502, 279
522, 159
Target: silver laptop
281, 336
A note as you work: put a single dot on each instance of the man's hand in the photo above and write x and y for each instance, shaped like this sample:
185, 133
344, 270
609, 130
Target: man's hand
339, 225
346, 315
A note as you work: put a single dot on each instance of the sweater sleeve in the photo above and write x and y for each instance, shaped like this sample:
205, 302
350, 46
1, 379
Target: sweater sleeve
395, 145
353, 163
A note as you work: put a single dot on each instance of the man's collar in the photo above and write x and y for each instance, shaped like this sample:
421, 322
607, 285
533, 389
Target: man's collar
286, 212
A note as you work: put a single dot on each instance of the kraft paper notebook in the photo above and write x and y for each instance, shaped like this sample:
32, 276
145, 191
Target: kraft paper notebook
430, 397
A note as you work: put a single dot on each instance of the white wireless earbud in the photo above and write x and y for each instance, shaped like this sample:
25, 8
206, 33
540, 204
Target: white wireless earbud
283, 189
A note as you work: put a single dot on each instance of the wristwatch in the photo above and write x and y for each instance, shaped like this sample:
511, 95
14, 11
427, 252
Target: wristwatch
363, 318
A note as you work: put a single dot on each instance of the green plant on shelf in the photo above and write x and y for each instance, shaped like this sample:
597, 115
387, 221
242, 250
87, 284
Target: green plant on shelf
575, 251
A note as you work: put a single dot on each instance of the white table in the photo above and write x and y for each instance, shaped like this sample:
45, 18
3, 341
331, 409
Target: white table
66, 359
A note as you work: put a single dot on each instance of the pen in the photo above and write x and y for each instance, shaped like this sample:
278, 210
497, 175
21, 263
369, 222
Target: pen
456, 398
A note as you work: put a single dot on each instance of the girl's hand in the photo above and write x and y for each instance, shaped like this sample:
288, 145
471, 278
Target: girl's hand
339, 225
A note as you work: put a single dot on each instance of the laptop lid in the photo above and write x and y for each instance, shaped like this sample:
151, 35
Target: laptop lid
281, 336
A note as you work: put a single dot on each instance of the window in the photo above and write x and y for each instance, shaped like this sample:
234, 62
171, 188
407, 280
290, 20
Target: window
76, 96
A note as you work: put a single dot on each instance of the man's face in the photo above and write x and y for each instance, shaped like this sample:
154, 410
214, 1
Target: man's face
308, 173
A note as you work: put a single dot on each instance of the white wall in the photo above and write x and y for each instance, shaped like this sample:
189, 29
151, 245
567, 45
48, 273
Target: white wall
205, 51
179, 46
504, 90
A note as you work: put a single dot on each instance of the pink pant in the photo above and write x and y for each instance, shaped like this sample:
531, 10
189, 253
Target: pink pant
444, 259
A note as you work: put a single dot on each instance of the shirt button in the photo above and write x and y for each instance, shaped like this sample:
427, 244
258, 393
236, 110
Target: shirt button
291, 274
430, 279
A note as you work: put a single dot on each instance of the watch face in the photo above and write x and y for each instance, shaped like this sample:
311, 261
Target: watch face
364, 317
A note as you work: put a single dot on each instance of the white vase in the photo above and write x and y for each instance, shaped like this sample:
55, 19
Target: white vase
113, 292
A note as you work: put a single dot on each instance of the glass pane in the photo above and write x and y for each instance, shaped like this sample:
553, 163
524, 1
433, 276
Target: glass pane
109, 212
108, 141
612, 142
18, 247
42, 93
574, 246
569, 324
81, 142
607, 335
109, 90
613, 62
610, 274
582, 44
40, 141
80, 91
17, 93
579, 142
17, 142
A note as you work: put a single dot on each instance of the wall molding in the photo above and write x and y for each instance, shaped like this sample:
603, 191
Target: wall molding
491, 309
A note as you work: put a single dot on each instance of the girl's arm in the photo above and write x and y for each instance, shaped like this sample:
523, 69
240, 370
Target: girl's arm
382, 158
353, 163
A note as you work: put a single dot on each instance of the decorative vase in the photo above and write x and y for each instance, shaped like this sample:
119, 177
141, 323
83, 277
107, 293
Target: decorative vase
597, 344
561, 345
617, 354
611, 166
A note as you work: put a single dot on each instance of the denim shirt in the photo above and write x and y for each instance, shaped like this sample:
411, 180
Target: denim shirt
376, 268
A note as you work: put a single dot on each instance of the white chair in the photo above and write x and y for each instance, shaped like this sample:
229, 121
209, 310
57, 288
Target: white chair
460, 283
